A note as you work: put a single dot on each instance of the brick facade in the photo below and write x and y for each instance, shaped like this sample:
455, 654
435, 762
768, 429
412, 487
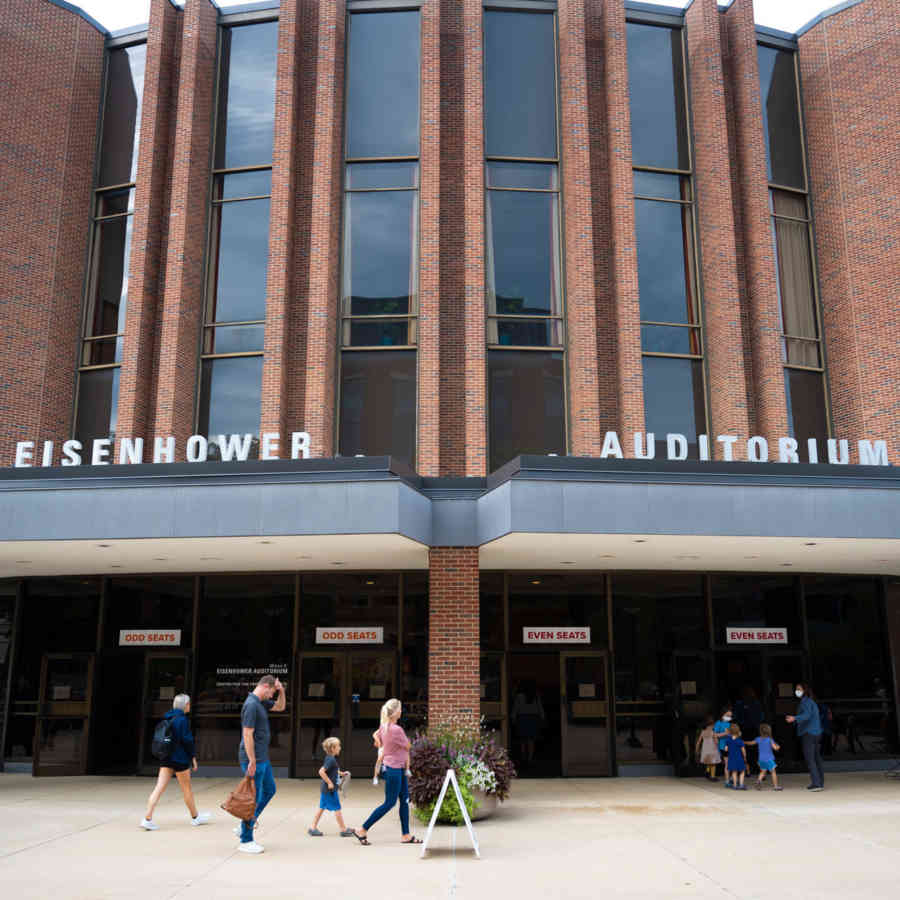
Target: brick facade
453, 638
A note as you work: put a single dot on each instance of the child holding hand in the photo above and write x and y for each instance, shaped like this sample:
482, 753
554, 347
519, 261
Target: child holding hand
766, 745
331, 776
737, 759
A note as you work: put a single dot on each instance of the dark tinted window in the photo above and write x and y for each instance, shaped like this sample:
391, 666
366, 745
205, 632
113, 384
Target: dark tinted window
122, 115
156, 602
491, 620
781, 117
383, 85
378, 262
113, 251
247, 98
230, 395
656, 91
756, 601
241, 252
527, 404
806, 408
664, 242
520, 84
673, 400
98, 400
378, 403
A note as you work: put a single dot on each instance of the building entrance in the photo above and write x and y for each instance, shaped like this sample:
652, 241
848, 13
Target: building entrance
340, 695
63, 714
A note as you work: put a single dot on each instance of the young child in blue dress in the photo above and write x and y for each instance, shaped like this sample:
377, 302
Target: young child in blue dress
721, 731
329, 799
766, 745
737, 758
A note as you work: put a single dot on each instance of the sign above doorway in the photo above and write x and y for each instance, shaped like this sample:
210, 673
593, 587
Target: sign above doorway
535, 635
350, 635
142, 637
738, 634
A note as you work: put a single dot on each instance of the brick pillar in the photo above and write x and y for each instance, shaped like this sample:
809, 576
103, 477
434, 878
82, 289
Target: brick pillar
760, 282
278, 360
453, 638
323, 280
853, 162
622, 244
474, 352
149, 223
52, 64
185, 278
721, 299
581, 302
428, 381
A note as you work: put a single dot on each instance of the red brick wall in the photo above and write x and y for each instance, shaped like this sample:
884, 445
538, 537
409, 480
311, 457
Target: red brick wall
720, 295
139, 350
850, 77
185, 278
453, 638
51, 64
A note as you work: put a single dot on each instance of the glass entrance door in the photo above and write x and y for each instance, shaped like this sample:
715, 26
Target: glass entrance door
371, 681
64, 711
320, 709
783, 669
694, 699
584, 714
165, 676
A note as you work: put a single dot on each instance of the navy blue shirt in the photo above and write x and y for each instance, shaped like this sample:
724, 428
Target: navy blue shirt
183, 750
331, 770
255, 715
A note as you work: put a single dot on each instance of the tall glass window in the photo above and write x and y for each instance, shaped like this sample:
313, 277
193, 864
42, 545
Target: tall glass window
804, 365
232, 352
525, 308
379, 281
671, 331
103, 327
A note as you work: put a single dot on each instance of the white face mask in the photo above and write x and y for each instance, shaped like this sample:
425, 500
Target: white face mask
726, 718
798, 693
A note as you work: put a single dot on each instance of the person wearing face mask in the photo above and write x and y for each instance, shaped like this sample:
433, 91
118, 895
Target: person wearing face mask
721, 731
809, 730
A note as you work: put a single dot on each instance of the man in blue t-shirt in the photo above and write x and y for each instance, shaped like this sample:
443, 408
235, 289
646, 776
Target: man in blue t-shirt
253, 751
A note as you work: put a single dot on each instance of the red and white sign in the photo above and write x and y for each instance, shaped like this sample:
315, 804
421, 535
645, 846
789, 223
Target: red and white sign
139, 637
535, 635
350, 635
736, 634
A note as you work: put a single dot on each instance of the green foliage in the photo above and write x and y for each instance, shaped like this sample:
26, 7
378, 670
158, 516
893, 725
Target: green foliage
450, 813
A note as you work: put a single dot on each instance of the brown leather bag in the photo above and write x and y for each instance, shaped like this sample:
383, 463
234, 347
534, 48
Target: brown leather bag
241, 802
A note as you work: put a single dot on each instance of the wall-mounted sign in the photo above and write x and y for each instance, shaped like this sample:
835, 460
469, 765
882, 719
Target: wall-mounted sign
536, 635
350, 635
143, 637
737, 634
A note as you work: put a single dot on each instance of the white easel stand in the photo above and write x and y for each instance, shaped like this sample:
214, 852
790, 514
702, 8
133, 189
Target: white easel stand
450, 778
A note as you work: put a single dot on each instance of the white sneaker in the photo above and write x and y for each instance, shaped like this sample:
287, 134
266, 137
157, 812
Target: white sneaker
236, 831
201, 819
251, 847
148, 825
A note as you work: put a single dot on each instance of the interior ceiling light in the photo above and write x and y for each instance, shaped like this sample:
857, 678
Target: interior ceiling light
535, 580
304, 556
115, 566
339, 564
23, 562
265, 542
104, 546
787, 564
751, 557
160, 558
567, 562
606, 556
640, 540
370, 581
211, 558
810, 544
687, 556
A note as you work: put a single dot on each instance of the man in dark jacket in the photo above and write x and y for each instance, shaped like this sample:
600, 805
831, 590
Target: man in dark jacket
180, 762
809, 730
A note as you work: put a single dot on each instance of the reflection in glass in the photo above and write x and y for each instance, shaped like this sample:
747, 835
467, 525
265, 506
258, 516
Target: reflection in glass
523, 253
673, 400
531, 176
656, 91
98, 401
122, 115
377, 333
230, 395
378, 404
806, 414
240, 253
114, 203
112, 254
363, 176
781, 117
527, 404
383, 85
247, 101
233, 338
256, 183
662, 184
670, 339
101, 352
379, 262
520, 84
756, 601
664, 242
525, 332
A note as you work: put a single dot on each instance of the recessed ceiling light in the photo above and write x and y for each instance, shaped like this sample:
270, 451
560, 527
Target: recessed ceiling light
640, 540
606, 556
370, 581
23, 562
339, 563
787, 564
535, 580
567, 562
810, 544
160, 558
114, 566
751, 557
687, 556
304, 556
211, 558
104, 546
264, 542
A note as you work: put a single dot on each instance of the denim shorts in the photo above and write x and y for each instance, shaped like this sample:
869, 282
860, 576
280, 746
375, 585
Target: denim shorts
329, 800
767, 765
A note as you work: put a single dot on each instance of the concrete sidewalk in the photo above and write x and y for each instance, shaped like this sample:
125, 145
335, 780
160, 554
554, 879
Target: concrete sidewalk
629, 837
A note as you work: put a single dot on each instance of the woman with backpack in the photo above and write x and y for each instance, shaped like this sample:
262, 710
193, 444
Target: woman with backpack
173, 734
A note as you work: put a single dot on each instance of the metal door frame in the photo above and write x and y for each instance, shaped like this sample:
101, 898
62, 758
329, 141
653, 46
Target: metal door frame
563, 706
143, 767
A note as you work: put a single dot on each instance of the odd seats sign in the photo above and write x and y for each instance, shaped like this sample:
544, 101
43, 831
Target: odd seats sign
140, 637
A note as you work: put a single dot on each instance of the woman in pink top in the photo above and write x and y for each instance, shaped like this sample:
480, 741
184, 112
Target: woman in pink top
394, 745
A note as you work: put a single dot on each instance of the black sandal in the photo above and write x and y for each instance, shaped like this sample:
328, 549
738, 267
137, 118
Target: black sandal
362, 839
412, 840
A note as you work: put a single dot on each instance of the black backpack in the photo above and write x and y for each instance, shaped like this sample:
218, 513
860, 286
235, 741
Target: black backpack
163, 740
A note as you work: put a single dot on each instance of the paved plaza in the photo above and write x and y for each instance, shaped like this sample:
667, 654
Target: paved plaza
627, 837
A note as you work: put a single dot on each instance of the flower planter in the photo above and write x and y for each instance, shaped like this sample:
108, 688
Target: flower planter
487, 805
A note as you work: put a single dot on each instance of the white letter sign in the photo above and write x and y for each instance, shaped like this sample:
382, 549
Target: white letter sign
738, 634
536, 635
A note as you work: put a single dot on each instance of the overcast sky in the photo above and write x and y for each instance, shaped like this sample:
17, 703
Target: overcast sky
786, 15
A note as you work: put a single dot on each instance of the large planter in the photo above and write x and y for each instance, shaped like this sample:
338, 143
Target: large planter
487, 805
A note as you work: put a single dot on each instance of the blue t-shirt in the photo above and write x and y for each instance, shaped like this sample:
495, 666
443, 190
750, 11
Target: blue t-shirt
332, 771
721, 728
766, 753
255, 715
735, 757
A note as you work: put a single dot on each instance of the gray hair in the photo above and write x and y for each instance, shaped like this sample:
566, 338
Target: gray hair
181, 701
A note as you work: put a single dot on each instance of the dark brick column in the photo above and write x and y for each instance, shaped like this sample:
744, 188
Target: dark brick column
453, 638
185, 276
720, 292
851, 100
150, 220
51, 66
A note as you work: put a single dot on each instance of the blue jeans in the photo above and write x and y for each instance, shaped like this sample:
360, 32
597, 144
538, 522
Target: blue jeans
265, 791
395, 786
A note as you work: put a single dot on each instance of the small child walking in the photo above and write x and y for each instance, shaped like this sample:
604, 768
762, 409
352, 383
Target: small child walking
737, 758
766, 745
708, 749
721, 729
331, 776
